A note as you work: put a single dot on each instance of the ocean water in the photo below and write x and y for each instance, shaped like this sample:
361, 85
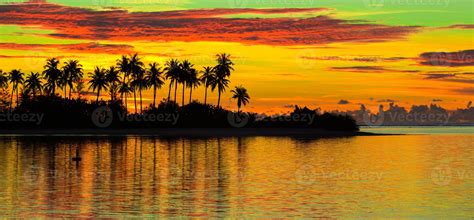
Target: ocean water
421, 175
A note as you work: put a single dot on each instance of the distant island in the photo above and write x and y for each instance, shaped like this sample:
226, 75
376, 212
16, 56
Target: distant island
54, 99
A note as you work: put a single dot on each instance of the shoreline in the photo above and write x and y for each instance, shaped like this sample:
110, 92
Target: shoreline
190, 132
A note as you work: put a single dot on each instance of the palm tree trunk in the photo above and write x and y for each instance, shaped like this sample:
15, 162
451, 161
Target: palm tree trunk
154, 96
182, 100
175, 88
65, 89
17, 100
190, 94
98, 94
141, 106
205, 97
135, 99
169, 91
70, 91
219, 99
11, 99
126, 102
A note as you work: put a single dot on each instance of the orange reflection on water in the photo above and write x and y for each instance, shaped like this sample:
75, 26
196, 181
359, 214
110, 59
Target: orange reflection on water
230, 177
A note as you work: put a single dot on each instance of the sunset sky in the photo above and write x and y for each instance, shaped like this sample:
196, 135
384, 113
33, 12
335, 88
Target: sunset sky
333, 54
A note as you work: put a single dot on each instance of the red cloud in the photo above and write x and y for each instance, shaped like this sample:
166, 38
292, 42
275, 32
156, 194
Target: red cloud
449, 59
195, 25
77, 48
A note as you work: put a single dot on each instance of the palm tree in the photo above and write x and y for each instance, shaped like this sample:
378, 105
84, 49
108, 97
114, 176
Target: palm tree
33, 83
16, 78
221, 83
3, 80
224, 65
172, 71
243, 98
73, 70
206, 78
136, 69
185, 72
222, 70
62, 83
193, 81
125, 90
123, 65
113, 79
139, 82
51, 74
98, 81
154, 78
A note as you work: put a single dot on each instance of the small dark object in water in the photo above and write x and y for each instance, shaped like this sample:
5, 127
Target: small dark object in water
77, 159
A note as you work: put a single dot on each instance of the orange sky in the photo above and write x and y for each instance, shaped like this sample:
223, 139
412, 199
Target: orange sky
329, 55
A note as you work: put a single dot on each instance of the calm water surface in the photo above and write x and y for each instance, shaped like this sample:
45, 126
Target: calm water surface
411, 176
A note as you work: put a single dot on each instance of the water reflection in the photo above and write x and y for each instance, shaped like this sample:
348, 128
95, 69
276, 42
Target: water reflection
227, 177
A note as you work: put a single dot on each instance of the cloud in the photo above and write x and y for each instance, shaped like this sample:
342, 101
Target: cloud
196, 25
76, 48
357, 59
370, 69
386, 100
468, 91
461, 26
343, 102
438, 75
436, 100
449, 59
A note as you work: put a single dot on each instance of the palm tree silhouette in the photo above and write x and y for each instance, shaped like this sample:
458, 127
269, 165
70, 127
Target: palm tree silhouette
206, 78
243, 98
186, 67
98, 81
136, 68
52, 75
192, 81
33, 83
73, 70
222, 70
3, 80
172, 71
154, 78
113, 79
139, 82
123, 65
125, 90
16, 78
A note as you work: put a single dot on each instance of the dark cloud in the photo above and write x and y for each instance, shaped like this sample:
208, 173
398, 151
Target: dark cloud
436, 100
196, 25
343, 102
461, 26
77, 48
467, 91
386, 100
438, 75
370, 69
449, 59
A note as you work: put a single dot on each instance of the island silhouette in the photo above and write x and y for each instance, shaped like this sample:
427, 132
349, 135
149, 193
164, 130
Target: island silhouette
55, 98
